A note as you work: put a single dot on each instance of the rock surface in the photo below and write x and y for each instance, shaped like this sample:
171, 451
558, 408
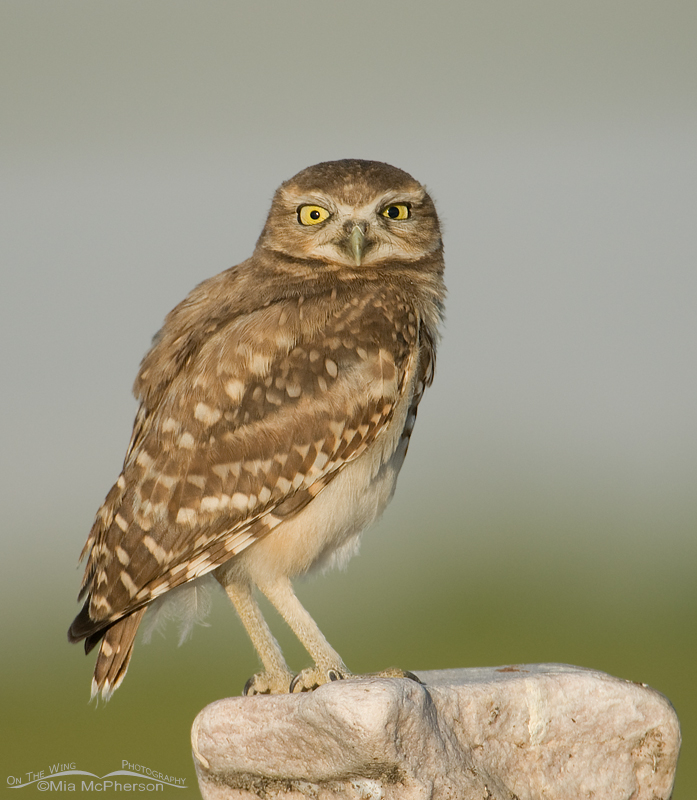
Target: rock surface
528, 732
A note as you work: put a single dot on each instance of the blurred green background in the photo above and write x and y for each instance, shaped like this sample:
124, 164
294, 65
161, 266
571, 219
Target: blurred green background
547, 510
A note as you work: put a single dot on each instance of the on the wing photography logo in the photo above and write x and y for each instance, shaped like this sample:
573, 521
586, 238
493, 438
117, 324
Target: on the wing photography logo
67, 778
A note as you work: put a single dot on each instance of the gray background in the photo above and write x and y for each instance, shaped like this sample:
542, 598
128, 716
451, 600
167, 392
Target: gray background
547, 509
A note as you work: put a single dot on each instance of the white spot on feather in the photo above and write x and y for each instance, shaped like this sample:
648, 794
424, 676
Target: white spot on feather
196, 480
207, 415
239, 501
186, 440
156, 550
234, 389
259, 363
264, 494
223, 470
159, 590
337, 428
283, 484
320, 462
98, 601
144, 459
186, 516
128, 583
210, 503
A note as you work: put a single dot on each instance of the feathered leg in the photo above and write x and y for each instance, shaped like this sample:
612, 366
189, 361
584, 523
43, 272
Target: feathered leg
276, 677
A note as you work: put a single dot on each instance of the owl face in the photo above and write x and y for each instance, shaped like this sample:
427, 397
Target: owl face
352, 214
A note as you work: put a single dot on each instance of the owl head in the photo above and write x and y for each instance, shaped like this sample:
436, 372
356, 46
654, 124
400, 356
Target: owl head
352, 214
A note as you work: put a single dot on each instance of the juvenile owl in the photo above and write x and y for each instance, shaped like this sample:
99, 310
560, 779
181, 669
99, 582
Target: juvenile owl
276, 406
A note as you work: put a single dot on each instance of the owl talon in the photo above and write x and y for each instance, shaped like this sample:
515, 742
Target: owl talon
395, 672
266, 683
310, 679
296, 681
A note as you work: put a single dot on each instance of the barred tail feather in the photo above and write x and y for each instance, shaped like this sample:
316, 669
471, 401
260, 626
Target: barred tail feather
115, 654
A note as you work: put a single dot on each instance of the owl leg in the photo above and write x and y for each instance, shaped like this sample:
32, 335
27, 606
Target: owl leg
276, 677
328, 663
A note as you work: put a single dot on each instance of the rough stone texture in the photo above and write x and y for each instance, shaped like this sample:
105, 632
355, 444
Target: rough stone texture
541, 731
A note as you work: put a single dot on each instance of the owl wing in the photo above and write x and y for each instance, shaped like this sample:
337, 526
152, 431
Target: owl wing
260, 415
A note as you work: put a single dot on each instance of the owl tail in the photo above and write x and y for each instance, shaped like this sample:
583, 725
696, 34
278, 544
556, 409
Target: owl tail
115, 650
114, 655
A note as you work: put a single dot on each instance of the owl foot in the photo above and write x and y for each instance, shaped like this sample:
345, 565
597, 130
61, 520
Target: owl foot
268, 683
309, 679
394, 672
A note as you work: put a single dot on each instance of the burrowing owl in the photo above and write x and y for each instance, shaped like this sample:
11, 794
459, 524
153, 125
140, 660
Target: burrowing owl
276, 406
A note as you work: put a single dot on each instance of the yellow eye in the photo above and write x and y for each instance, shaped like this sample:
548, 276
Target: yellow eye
312, 215
396, 211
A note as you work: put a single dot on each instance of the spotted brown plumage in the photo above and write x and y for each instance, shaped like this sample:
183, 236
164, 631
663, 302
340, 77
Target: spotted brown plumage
276, 406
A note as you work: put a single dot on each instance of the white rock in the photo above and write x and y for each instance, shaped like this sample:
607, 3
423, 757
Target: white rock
541, 731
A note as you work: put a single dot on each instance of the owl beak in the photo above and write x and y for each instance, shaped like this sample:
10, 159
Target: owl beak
357, 241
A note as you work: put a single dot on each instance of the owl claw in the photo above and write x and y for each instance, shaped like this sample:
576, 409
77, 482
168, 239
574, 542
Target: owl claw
309, 679
249, 689
395, 672
266, 683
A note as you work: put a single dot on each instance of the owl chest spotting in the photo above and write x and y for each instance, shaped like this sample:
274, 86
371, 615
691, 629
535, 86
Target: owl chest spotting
326, 534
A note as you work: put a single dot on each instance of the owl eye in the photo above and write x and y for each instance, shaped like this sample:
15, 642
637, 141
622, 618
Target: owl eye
396, 211
312, 215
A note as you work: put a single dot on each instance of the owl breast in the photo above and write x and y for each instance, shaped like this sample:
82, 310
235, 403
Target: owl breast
327, 533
